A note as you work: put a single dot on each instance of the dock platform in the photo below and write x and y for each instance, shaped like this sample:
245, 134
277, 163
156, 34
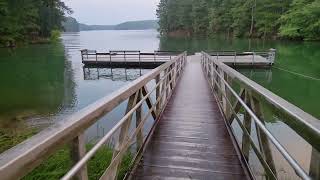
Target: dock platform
146, 60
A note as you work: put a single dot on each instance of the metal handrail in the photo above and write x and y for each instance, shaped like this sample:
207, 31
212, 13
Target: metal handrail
127, 56
269, 55
17, 162
206, 60
104, 139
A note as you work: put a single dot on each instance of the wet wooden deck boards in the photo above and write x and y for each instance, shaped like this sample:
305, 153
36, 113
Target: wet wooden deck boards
191, 140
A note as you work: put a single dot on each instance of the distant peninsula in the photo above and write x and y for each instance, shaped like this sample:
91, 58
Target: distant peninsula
72, 25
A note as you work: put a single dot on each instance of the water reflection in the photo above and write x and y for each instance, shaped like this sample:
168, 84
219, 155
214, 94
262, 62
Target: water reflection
305, 148
35, 81
114, 74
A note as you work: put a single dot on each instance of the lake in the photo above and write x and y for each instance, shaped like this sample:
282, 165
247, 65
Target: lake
42, 84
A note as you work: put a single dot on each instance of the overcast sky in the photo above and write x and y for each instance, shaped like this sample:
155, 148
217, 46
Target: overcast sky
112, 11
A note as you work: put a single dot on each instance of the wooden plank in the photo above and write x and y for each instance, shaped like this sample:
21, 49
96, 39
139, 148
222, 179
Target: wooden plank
191, 135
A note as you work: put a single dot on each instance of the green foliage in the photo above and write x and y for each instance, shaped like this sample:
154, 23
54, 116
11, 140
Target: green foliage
10, 139
55, 34
296, 19
29, 20
58, 164
302, 20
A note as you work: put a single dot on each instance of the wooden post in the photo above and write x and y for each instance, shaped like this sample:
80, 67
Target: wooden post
123, 135
82, 55
139, 136
212, 75
163, 88
158, 92
124, 55
169, 78
78, 151
228, 95
223, 92
314, 171
247, 125
262, 137
140, 62
149, 102
110, 58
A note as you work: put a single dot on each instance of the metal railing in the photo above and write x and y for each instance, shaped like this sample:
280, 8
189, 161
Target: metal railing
234, 55
248, 102
127, 56
19, 161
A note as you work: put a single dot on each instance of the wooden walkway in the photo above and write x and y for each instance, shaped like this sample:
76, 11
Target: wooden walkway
191, 140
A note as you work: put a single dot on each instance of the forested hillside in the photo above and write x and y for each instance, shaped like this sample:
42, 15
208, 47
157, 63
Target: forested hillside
30, 20
292, 19
137, 25
70, 24
129, 25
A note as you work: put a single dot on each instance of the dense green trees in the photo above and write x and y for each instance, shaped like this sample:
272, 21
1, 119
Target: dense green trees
302, 20
29, 20
295, 19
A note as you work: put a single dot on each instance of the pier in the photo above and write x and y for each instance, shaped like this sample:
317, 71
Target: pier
190, 117
147, 60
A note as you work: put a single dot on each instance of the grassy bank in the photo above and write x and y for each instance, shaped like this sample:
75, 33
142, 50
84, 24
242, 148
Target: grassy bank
10, 138
58, 165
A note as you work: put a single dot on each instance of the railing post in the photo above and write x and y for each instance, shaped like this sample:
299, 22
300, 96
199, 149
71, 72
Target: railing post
228, 79
262, 137
272, 55
125, 59
78, 150
158, 92
247, 125
252, 57
110, 58
139, 136
314, 171
82, 55
211, 74
223, 92
122, 137
140, 61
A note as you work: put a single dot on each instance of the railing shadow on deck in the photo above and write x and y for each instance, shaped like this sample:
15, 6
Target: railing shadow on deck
20, 160
244, 109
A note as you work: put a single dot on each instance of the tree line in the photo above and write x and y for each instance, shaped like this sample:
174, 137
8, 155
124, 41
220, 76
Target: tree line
30, 20
291, 19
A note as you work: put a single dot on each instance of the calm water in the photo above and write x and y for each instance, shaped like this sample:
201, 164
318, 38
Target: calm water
41, 84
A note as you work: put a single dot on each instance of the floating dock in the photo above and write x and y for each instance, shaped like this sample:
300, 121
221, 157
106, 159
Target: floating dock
137, 59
